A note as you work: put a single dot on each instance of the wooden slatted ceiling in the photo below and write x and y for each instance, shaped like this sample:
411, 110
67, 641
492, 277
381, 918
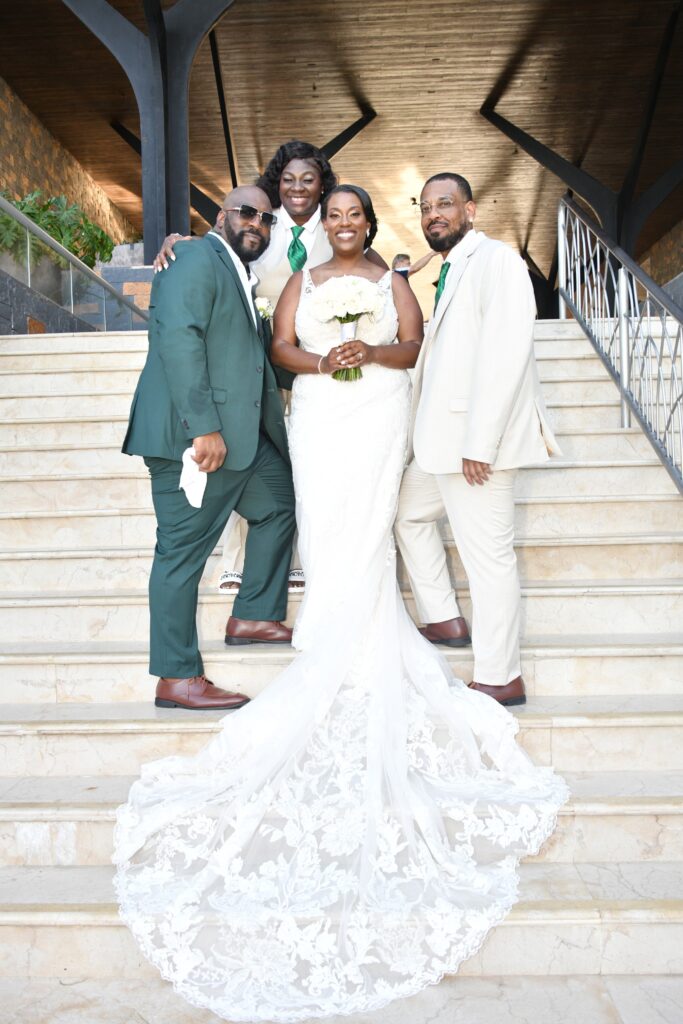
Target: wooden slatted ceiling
577, 77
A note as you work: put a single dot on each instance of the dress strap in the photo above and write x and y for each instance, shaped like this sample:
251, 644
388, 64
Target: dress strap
307, 280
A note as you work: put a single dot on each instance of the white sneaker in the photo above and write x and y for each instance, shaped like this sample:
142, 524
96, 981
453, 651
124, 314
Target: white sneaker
230, 582
297, 581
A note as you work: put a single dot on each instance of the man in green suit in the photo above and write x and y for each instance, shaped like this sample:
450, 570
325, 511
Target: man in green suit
208, 384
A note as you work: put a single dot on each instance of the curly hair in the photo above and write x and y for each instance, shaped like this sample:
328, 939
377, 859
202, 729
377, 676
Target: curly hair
366, 202
269, 181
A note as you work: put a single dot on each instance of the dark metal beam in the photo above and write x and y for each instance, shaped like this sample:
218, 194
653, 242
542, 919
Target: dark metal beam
218, 74
158, 66
341, 140
203, 205
599, 196
140, 61
622, 217
628, 188
187, 24
646, 203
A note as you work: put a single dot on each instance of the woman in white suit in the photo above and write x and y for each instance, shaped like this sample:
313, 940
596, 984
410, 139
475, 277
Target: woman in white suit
478, 415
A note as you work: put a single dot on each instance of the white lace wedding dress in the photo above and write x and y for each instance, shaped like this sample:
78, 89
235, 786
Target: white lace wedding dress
352, 834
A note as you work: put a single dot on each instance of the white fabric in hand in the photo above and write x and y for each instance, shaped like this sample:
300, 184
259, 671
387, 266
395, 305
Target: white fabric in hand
192, 480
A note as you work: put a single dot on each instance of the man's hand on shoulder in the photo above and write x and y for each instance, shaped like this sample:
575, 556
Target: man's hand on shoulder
476, 472
209, 452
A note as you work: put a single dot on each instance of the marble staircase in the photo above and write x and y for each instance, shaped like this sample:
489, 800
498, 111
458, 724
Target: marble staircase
600, 550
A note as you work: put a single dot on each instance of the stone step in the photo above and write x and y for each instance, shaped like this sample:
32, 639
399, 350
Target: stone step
552, 559
593, 517
494, 999
599, 387
55, 406
571, 606
66, 383
54, 459
107, 430
102, 436
21, 359
570, 919
108, 401
75, 361
566, 416
128, 487
85, 341
611, 817
50, 672
575, 734
76, 375
104, 342
72, 430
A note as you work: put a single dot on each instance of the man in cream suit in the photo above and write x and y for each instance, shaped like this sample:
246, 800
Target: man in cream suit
478, 415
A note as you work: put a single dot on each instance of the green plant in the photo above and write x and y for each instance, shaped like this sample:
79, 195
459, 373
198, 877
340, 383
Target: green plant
66, 223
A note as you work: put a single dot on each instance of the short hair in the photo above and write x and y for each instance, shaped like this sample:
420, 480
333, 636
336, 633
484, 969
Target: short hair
400, 257
366, 203
462, 183
269, 181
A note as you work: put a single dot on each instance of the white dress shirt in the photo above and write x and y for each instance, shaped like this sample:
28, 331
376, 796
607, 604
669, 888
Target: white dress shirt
248, 280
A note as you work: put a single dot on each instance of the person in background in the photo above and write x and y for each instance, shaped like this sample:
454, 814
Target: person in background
402, 265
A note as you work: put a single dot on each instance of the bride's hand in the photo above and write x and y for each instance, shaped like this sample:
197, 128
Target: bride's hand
355, 353
332, 361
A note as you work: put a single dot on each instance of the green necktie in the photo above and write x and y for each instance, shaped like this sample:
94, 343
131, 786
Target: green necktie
442, 282
296, 254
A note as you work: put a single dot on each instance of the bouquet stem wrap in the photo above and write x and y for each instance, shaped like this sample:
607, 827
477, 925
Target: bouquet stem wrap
347, 332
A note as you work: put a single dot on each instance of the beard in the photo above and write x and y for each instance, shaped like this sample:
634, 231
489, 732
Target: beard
445, 242
236, 240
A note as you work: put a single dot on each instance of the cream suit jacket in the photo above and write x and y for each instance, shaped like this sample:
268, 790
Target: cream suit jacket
476, 393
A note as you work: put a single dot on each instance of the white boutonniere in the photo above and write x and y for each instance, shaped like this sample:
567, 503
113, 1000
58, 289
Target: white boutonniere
265, 308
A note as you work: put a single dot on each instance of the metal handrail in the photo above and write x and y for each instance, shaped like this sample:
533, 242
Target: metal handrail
30, 226
634, 326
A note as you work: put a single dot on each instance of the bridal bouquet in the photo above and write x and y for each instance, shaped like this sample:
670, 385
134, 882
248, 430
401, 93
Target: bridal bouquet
346, 299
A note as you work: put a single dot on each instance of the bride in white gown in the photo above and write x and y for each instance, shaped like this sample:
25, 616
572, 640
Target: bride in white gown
353, 833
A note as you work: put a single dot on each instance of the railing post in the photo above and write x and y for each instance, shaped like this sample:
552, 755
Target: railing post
624, 357
28, 259
561, 260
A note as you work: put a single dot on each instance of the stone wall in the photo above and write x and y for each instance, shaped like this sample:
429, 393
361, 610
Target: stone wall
664, 260
25, 311
31, 158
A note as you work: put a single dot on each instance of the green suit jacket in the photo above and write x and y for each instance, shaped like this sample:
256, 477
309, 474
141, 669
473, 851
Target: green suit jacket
206, 367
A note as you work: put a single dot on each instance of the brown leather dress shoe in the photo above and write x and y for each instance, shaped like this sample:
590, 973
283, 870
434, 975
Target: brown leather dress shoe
247, 631
196, 694
452, 633
509, 695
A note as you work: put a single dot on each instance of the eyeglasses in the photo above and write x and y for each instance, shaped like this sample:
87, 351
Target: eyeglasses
441, 206
249, 212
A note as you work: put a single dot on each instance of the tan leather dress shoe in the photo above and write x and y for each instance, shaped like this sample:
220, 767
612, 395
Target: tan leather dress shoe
247, 631
509, 695
452, 633
196, 694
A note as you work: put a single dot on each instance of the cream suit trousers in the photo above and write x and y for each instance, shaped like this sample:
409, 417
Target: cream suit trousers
482, 521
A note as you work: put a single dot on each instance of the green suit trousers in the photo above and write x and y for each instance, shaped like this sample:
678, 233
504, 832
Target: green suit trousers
264, 495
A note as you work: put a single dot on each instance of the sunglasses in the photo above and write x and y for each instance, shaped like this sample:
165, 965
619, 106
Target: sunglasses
249, 212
